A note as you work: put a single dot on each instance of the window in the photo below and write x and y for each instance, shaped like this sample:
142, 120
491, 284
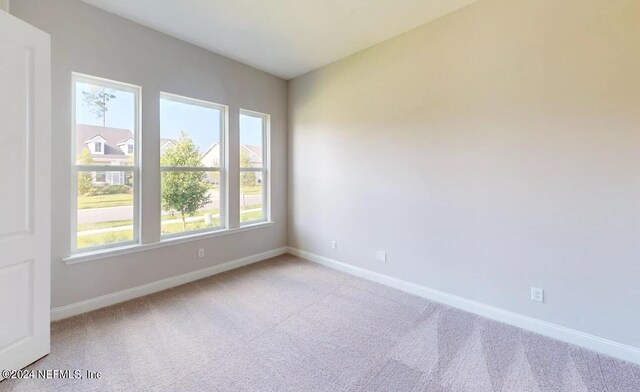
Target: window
130, 149
105, 191
100, 177
192, 156
254, 164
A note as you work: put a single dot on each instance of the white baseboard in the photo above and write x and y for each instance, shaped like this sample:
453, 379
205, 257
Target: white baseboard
568, 335
149, 288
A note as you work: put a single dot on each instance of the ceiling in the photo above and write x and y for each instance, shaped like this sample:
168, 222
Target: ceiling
286, 38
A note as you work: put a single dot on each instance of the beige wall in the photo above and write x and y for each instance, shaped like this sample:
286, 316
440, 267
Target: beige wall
492, 150
4, 5
87, 40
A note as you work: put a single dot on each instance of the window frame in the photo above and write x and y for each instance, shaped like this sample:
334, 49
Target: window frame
265, 169
95, 174
76, 168
221, 169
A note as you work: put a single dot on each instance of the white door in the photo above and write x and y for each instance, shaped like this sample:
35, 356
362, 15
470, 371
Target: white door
25, 90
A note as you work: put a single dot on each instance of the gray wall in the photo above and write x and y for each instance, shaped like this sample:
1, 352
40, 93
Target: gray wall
492, 150
87, 40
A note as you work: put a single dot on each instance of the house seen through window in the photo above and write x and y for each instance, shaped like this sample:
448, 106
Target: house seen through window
254, 154
106, 128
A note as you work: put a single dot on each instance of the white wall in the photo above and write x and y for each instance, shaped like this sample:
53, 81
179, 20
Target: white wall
88, 40
492, 150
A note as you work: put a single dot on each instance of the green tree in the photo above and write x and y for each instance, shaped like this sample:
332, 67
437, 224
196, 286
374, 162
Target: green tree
98, 102
84, 179
183, 192
247, 178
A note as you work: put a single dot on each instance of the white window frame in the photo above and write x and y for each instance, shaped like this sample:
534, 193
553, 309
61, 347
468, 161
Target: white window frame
76, 168
221, 169
265, 169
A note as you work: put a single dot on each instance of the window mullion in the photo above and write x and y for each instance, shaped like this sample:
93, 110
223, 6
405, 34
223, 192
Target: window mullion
188, 168
104, 168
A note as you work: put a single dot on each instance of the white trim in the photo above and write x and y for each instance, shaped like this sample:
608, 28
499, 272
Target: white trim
194, 101
555, 331
135, 247
103, 168
149, 288
189, 169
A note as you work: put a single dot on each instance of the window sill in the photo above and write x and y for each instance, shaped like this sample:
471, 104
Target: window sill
128, 249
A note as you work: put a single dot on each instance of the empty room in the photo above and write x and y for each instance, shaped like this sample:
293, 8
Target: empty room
320, 195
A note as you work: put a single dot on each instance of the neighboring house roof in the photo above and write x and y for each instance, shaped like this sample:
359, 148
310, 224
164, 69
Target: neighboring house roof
126, 141
96, 138
211, 156
164, 141
112, 138
254, 152
209, 150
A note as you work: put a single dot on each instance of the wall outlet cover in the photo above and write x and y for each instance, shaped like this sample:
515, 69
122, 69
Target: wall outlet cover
537, 294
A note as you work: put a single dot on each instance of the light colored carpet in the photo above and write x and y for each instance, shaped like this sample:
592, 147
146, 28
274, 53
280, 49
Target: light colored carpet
291, 325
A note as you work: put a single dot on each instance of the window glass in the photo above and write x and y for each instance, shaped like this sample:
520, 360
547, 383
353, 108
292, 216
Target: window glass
191, 157
104, 214
106, 115
253, 171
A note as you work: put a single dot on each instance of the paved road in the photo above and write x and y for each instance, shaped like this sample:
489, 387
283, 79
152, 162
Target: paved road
95, 215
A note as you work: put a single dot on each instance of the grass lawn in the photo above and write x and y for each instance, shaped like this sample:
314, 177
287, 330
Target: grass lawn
117, 200
98, 239
177, 227
103, 225
199, 213
250, 216
86, 241
251, 190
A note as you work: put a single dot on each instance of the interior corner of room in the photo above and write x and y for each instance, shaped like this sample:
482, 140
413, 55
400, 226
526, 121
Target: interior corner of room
456, 181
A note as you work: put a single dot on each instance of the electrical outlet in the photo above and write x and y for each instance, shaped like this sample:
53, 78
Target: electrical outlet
537, 294
381, 256
334, 244
200, 253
